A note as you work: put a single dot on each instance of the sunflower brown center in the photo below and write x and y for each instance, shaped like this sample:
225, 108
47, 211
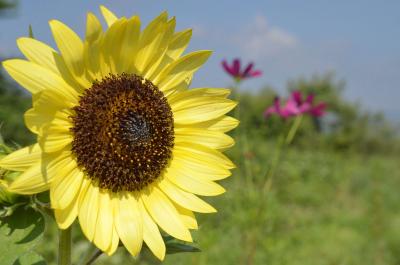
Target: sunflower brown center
123, 132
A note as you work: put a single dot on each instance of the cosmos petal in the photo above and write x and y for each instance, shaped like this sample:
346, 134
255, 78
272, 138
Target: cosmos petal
185, 199
151, 234
129, 223
165, 214
22, 159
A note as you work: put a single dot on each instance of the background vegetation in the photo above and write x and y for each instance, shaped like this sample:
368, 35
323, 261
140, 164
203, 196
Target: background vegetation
334, 199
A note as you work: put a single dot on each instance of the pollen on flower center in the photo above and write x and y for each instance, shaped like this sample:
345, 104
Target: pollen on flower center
123, 132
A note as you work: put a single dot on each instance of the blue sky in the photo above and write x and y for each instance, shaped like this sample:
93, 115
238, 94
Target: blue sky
359, 40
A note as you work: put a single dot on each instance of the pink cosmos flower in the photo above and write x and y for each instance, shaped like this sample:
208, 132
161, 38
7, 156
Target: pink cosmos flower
307, 105
295, 105
239, 74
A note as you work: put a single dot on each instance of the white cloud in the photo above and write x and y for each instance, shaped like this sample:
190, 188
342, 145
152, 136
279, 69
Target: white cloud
259, 39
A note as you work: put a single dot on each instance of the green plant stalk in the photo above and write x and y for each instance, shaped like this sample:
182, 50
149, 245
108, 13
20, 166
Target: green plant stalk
241, 134
64, 247
283, 143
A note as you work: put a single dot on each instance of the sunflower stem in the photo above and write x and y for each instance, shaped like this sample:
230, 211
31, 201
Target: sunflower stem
64, 247
95, 256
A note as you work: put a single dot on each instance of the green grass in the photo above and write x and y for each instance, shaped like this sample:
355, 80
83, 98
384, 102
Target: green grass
324, 208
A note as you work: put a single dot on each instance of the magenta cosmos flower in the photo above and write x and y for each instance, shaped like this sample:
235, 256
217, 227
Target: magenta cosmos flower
296, 105
235, 70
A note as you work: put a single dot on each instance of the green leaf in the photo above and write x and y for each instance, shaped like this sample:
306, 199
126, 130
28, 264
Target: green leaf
19, 234
174, 247
30, 258
31, 32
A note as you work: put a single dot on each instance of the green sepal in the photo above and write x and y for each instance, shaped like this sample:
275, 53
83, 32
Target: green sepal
174, 246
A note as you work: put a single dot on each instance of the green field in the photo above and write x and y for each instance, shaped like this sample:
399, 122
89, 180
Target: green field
324, 208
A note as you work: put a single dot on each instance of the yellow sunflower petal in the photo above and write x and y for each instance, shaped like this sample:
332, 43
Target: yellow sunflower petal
129, 46
181, 69
109, 16
36, 118
105, 223
212, 139
54, 139
178, 98
30, 182
111, 47
70, 46
160, 52
193, 152
129, 223
178, 43
88, 211
65, 187
151, 234
36, 78
187, 217
66, 216
93, 28
222, 124
114, 243
39, 53
22, 159
150, 42
185, 199
164, 214
199, 109
201, 169
192, 184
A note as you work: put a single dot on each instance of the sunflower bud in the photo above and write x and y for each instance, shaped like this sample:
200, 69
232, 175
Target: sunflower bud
6, 198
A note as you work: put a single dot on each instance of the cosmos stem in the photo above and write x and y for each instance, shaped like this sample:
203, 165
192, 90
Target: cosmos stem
283, 142
241, 134
64, 247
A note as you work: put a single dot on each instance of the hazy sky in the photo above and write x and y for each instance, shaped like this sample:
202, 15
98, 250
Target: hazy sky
358, 40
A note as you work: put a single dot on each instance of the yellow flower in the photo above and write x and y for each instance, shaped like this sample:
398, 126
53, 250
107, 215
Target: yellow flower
122, 143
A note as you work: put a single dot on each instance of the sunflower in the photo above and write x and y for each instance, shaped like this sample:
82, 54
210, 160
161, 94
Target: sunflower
123, 144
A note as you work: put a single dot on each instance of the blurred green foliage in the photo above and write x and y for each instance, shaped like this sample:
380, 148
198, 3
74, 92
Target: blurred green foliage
347, 125
13, 103
324, 208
